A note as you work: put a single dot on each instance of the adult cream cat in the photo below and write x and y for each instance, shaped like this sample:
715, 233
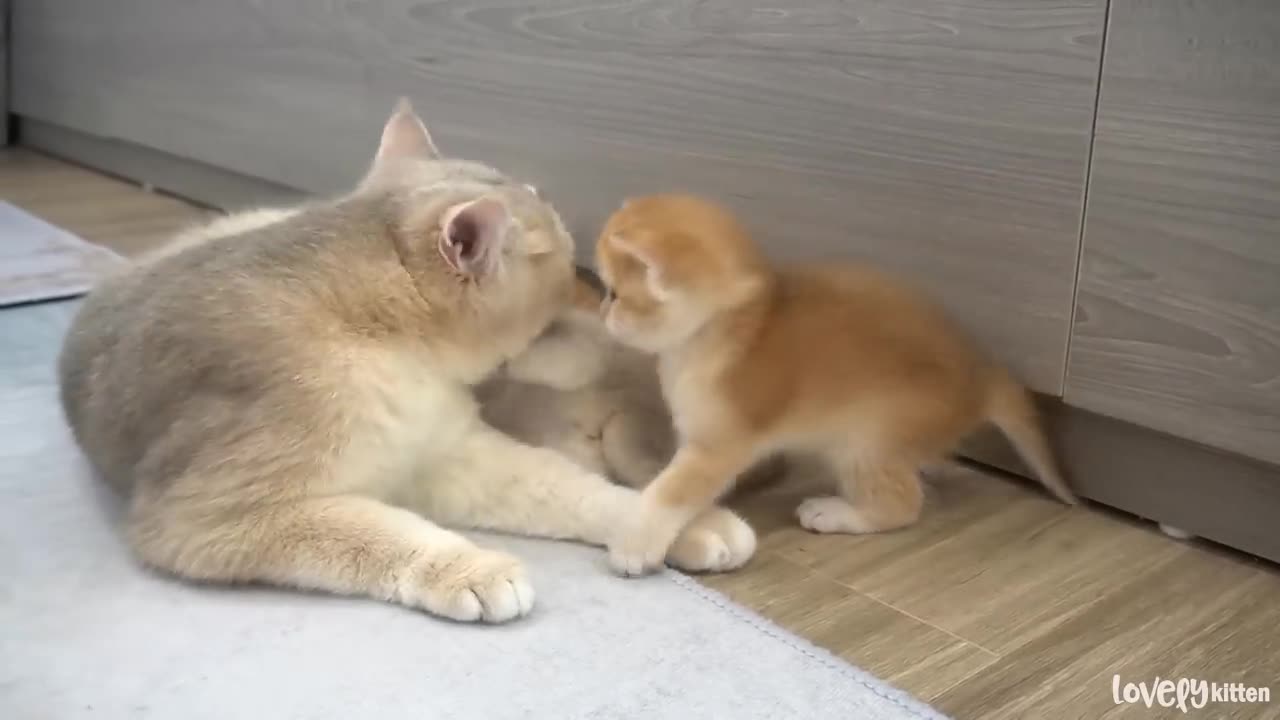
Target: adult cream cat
286, 395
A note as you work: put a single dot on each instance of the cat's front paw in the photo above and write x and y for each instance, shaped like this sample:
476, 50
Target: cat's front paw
474, 585
831, 515
716, 541
641, 544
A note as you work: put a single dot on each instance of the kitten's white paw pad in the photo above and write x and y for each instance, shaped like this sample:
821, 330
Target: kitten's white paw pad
828, 515
477, 586
717, 541
641, 546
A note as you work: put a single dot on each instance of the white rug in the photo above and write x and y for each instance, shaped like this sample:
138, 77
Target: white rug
84, 633
39, 261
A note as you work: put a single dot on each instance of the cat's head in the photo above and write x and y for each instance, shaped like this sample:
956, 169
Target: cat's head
476, 242
671, 263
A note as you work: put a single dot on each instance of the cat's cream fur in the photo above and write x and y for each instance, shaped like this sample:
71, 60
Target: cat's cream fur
613, 422
582, 393
836, 360
286, 396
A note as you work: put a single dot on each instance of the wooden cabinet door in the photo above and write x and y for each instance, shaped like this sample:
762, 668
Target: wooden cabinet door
4, 72
945, 140
1178, 319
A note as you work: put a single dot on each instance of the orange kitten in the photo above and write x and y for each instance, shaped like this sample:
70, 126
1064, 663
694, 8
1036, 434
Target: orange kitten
836, 359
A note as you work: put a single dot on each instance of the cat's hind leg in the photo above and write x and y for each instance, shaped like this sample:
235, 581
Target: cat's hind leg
344, 544
875, 496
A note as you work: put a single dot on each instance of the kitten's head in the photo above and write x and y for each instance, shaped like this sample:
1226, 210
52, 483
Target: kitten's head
480, 246
671, 263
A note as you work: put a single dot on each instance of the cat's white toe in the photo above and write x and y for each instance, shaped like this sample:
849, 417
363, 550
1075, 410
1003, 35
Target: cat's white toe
641, 546
635, 554
716, 541
828, 515
503, 600
478, 586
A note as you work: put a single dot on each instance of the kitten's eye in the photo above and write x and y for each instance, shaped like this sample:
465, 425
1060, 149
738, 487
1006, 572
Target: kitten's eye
610, 295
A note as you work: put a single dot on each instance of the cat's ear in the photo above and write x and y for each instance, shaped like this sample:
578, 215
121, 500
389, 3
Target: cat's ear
472, 235
654, 276
404, 136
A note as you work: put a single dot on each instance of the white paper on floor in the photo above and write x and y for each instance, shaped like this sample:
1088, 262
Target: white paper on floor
40, 261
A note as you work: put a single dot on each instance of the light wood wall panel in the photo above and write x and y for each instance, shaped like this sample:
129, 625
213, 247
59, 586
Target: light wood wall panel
4, 72
945, 140
1178, 322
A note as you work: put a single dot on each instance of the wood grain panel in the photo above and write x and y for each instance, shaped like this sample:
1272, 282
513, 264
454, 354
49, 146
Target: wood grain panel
1192, 614
946, 140
876, 637
991, 563
4, 72
1225, 497
99, 209
205, 184
1178, 319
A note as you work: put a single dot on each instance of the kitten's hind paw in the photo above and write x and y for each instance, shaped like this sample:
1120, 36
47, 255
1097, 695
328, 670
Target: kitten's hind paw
474, 586
716, 541
831, 515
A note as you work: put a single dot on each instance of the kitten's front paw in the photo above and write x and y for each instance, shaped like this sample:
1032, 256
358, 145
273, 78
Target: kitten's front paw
717, 541
474, 585
640, 547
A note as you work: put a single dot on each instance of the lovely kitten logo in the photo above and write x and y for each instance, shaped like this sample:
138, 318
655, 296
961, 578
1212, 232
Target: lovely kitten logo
1185, 693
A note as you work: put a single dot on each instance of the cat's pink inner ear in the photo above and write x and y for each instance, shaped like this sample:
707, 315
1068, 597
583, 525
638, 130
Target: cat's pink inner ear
404, 136
472, 235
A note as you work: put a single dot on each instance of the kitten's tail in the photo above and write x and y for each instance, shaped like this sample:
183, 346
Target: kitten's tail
1010, 408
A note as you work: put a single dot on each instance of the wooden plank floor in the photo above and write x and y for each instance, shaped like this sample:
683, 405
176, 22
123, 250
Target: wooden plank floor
1000, 603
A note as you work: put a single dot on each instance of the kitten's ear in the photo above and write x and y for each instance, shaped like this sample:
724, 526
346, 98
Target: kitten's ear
654, 275
404, 136
472, 235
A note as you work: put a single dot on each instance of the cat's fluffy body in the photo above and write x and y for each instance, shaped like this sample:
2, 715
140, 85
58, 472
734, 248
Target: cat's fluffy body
836, 360
580, 392
612, 419
286, 395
